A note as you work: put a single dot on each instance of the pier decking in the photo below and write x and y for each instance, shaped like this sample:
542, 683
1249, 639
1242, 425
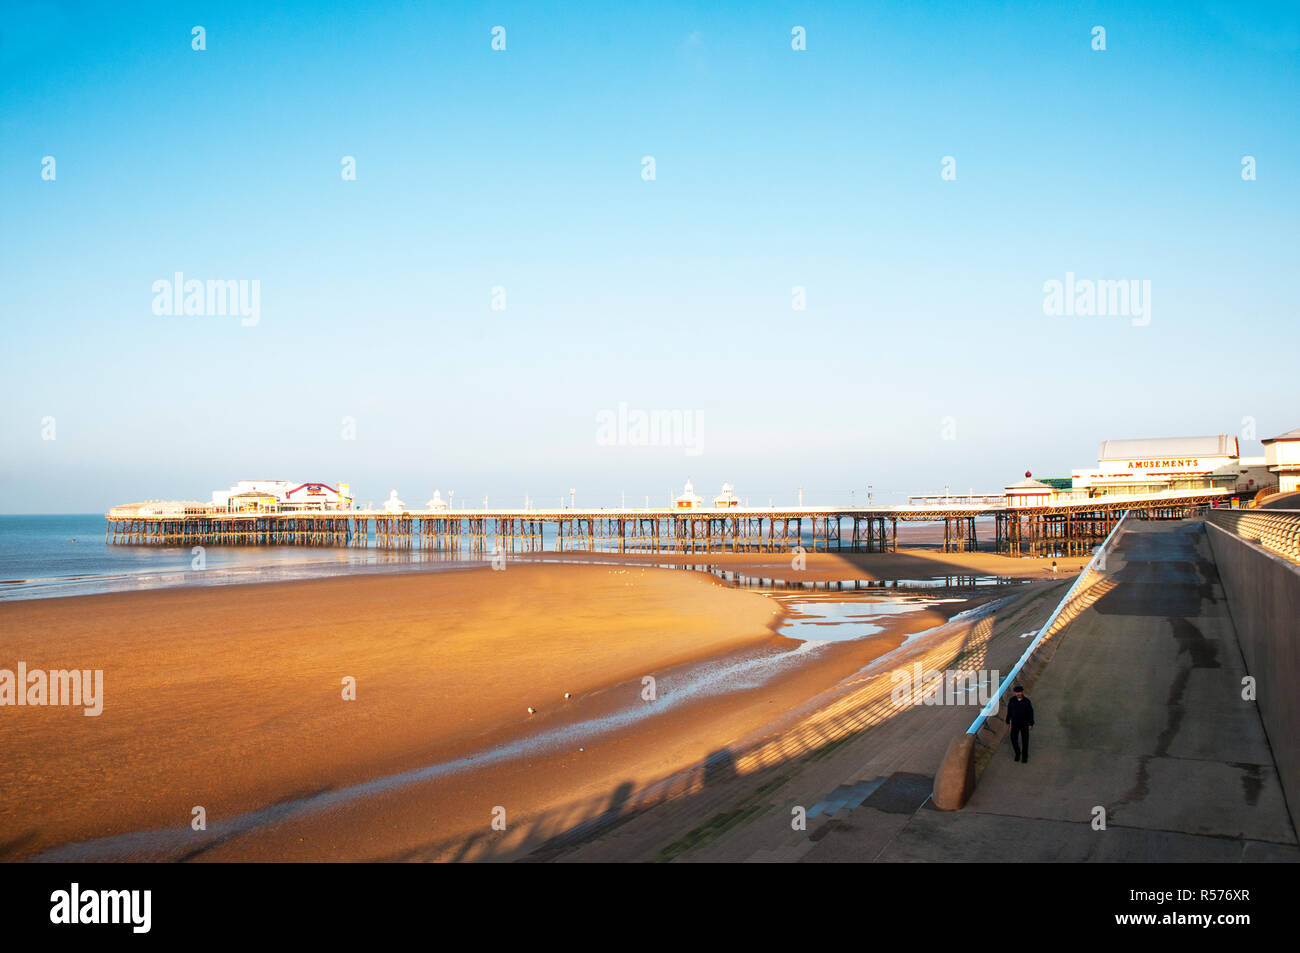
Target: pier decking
1067, 528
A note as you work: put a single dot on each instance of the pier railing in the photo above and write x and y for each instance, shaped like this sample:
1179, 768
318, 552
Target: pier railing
1276, 530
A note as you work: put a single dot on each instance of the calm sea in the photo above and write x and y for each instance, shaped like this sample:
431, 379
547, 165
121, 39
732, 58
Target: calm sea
43, 556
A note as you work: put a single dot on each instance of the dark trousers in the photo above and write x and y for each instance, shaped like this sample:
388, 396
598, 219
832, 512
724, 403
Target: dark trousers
1019, 740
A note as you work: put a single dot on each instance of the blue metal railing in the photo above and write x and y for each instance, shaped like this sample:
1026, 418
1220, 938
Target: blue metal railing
1098, 560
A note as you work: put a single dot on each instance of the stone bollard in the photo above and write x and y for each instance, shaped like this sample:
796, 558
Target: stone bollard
956, 778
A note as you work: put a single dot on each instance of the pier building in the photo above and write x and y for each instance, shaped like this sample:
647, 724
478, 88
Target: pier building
688, 499
726, 499
282, 495
1282, 460
1135, 467
1029, 492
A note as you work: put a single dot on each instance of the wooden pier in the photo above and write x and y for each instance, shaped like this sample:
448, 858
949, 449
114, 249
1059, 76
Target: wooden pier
1068, 529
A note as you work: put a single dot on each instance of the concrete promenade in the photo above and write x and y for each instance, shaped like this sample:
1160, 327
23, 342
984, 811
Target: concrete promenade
1139, 713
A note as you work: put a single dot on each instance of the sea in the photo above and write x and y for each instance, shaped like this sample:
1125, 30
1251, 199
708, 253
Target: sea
66, 555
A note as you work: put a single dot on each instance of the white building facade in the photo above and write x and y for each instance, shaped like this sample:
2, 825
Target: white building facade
1130, 467
286, 494
1282, 459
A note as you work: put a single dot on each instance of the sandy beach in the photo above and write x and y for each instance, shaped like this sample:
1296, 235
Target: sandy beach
906, 564
231, 699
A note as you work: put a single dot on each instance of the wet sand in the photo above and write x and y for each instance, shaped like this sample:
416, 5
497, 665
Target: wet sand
231, 699
907, 563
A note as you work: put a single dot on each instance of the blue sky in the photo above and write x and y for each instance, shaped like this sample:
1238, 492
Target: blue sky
522, 169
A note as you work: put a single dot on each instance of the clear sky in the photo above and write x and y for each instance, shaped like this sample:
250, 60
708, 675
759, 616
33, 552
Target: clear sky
923, 356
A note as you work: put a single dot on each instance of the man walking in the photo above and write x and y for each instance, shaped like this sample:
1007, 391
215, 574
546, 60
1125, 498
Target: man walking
1020, 716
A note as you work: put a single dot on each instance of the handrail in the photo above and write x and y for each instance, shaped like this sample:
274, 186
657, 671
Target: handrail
995, 703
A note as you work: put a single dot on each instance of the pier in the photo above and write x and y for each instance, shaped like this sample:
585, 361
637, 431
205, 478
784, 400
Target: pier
1064, 528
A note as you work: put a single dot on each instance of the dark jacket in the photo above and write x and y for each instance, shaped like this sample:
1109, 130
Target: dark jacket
1020, 711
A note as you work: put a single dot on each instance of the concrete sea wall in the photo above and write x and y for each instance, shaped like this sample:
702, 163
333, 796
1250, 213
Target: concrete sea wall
1263, 593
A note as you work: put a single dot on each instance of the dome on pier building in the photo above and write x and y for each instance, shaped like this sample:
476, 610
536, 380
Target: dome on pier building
688, 500
393, 504
727, 498
437, 503
1028, 492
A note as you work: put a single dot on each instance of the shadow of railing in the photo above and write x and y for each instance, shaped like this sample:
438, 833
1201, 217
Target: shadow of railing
737, 774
